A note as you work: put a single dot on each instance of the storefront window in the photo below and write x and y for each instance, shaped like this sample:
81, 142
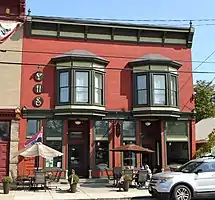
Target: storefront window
177, 153
54, 128
33, 126
102, 152
54, 162
177, 128
101, 132
129, 137
4, 131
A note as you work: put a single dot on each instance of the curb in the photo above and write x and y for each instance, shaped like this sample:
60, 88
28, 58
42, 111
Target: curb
120, 198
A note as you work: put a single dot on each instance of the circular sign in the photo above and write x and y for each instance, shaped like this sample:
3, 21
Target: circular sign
38, 101
38, 76
38, 89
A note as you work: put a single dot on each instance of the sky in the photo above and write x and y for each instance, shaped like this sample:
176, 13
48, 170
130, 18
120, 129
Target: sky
203, 43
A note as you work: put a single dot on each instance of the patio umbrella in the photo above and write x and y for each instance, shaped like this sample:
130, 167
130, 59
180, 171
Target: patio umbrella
38, 149
132, 148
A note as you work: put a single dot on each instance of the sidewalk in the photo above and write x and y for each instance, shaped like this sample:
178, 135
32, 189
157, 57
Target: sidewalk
85, 192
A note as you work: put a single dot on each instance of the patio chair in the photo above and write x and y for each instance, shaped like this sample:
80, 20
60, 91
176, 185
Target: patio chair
142, 178
117, 173
40, 179
110, 178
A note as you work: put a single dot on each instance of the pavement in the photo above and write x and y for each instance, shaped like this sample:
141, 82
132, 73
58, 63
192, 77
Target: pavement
95, 191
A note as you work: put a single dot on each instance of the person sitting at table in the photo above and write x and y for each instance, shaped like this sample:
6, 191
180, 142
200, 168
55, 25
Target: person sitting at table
149, 171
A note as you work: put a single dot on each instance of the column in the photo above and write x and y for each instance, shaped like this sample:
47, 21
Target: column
14, 143
192, 141
163, 145
139, 142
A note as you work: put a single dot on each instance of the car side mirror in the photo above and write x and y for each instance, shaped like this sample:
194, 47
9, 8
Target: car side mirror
198, 171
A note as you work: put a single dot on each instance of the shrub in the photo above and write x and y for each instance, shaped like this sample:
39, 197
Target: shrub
7, 179
127, 178
73, 179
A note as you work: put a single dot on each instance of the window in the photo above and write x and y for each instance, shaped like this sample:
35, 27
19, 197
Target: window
101, 128
129, 158
177, 128
33, 126
54, 128
98, 89
173, 91
141, 89
177, 153
159, 90
102, 152
54, 162
4, 131
82, 87
129, 129
64, 87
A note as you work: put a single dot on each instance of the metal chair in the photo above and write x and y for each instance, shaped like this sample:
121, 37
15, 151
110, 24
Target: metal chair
40, 179
142, 178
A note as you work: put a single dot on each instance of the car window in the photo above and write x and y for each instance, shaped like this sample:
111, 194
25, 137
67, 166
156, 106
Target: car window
189, 167
207, 167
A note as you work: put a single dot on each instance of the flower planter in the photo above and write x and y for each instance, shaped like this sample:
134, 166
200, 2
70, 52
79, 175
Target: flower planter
126, 186
6, 188
73, 188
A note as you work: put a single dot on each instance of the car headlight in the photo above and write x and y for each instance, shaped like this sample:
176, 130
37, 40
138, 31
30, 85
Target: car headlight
164, 179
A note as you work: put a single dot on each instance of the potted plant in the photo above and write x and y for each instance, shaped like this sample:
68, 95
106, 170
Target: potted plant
73, 181
6, 184
126, 183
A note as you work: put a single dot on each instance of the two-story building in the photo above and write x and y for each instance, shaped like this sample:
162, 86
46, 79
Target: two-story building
94, 86
11, 34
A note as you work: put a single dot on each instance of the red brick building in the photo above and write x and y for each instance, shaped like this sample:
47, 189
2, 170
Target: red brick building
99, 85
11, 35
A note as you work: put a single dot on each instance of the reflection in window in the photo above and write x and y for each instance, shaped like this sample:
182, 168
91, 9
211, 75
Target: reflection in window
141, 90
129, 129
173, 91
33, 126
54, 162
102, 152
64, 87
177, 128
129, 158
82, 87
54, 128
159, 89
98, 89
101, 128
4, 131
177, 153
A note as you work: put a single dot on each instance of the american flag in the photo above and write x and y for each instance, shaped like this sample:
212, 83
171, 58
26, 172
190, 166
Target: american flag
37, 137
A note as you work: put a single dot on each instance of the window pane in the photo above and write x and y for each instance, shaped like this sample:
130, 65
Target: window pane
98, 96
64, 94
102, 152
177, 153
173, 83
177, 128
159, 97
101, 128
173, 97
82, 94
141, 82
33, 126
98, 80
159, 82
129, 129
142, 97
82, 79
129, 158
54, 162
54, 128
64, 79
173, 91
4, 131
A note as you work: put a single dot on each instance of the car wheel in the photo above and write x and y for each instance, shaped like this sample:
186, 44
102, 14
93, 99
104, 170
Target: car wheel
181, 192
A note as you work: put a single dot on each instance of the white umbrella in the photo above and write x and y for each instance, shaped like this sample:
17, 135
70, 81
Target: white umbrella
38, 149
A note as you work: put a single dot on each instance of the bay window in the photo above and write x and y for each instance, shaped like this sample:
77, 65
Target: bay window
64, 87
159, 89
141, 90
82, 87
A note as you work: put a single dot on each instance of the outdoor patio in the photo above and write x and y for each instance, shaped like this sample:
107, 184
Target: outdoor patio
84, 191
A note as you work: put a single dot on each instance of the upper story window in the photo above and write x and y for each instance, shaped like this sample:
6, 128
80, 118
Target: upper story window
80, 78
156, 81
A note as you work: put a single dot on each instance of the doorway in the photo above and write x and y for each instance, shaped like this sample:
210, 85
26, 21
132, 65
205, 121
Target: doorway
78, 149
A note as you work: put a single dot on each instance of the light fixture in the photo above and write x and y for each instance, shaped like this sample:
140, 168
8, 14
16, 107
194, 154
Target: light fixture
77, 122
147, 123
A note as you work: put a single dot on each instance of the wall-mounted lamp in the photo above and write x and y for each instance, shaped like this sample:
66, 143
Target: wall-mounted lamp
147, 123
77, 122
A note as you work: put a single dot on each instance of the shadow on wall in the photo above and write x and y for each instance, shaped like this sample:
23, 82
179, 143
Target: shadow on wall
18, 34
126, 85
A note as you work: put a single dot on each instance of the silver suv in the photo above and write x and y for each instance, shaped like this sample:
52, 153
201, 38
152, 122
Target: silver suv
194, 179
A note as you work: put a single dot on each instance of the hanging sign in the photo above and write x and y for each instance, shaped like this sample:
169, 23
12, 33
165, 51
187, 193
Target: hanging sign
7, 29
38, 76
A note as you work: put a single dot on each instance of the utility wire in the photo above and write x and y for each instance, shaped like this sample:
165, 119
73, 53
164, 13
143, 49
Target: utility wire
107, 68
106, 56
